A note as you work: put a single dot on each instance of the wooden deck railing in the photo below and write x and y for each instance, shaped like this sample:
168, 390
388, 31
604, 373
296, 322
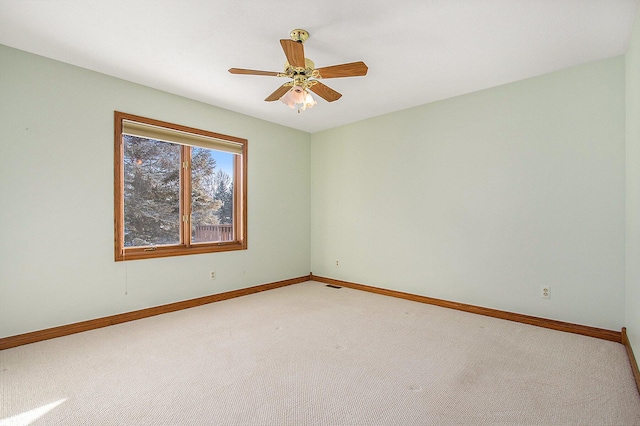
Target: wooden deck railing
206, 233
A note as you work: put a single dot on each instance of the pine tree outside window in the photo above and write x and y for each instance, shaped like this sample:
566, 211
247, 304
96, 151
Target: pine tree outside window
178, 190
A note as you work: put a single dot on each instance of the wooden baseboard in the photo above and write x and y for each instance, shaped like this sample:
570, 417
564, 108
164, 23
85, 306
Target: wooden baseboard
614, 336
632, 358
64, 330
50, 333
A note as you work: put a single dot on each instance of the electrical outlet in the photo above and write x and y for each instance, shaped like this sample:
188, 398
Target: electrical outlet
337, 263
212, 275
545, 292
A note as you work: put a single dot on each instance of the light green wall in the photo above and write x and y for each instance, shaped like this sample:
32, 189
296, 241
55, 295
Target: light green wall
480, 199
484, 198
632, 320
56, 199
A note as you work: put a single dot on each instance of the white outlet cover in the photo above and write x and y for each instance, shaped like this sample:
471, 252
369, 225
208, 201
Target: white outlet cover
545, 292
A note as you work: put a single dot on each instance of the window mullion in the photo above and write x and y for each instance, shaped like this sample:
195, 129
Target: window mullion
185, 196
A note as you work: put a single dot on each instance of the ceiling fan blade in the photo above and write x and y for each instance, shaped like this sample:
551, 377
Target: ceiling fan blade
278, 93
252, 72
294, 51
352, 69
325, 92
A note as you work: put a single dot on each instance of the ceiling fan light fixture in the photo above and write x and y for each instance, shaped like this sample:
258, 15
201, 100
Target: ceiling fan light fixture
298, 98
303, 74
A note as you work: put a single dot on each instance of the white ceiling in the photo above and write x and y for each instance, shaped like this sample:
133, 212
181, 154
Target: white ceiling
418, 51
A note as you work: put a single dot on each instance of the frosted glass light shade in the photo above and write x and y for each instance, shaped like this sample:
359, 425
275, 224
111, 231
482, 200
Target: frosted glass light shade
298, 98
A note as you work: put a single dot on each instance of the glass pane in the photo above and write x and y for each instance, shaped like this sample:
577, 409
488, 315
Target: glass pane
211, 195
151, 192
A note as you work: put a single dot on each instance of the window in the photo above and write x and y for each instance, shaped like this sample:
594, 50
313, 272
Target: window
178, 190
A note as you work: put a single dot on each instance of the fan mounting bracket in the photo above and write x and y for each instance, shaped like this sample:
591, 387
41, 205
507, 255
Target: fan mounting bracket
299, 35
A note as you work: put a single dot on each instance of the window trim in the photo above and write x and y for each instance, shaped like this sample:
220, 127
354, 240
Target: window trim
185, 247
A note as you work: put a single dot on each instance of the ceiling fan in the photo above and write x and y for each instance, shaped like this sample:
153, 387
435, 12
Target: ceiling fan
304, 75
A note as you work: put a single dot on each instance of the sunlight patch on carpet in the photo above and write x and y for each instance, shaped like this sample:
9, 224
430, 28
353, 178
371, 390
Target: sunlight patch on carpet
30, 416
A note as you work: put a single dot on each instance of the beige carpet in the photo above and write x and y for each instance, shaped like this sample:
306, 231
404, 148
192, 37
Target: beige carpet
308, 354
